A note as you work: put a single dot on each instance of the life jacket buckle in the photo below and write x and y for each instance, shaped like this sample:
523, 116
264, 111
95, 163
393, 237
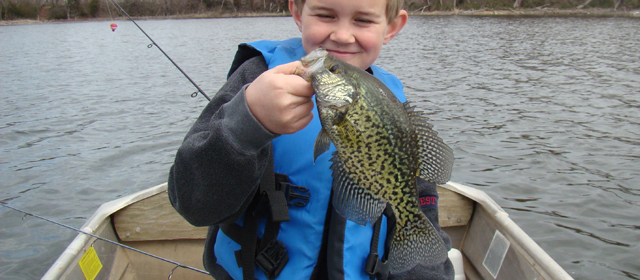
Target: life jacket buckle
296, 198
375, 268
296, 195
272, 259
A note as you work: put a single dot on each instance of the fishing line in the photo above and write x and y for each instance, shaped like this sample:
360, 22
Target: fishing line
110, 241
153, 43
109, 11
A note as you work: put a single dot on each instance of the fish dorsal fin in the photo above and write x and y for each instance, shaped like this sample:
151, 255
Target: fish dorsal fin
352, 201
436, 158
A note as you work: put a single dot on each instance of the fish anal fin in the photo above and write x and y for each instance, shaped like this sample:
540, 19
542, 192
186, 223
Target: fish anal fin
351, 200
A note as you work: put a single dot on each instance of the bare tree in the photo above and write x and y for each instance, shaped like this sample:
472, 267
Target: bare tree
4, 4
584, 4
617, 4
40, 6
234, 6
517, 4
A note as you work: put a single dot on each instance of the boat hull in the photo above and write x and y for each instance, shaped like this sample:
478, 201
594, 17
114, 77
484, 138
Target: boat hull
492, 246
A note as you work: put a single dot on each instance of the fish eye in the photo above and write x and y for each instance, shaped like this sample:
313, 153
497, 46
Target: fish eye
334, 69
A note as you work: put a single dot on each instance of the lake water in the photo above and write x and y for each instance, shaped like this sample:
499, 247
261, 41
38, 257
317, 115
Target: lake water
542, 113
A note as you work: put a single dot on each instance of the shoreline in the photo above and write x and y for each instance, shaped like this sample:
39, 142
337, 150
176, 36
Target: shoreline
535, 12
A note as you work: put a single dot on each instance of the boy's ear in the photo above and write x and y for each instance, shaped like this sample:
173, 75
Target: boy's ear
296, 14
396, 25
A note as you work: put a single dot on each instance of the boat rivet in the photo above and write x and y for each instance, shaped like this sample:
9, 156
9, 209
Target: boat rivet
137, 229
127, 234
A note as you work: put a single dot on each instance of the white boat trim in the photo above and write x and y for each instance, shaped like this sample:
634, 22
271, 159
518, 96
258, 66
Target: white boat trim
540, 257
104, 211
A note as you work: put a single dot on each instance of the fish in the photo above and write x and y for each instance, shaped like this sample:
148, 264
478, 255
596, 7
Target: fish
382, 147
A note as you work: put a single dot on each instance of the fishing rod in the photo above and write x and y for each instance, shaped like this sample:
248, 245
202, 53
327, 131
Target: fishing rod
109, 241
153, 43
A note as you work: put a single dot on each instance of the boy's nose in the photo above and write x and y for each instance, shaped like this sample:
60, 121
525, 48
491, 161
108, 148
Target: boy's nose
343, 35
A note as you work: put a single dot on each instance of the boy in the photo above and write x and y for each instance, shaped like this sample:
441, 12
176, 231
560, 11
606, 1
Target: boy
260, 122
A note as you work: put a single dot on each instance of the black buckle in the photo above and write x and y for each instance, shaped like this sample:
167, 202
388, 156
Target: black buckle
272, 259
375, 268
295, 195
296, 198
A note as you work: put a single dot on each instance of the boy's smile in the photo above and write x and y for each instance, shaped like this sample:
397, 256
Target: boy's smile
353, 31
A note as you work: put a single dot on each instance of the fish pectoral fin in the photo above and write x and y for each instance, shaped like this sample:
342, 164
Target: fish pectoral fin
341, 112
323, 142
352, 201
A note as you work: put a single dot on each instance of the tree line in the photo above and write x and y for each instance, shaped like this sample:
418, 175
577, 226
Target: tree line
84, 9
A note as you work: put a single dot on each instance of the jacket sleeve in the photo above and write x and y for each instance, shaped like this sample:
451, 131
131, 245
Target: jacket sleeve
219, 164
440, 271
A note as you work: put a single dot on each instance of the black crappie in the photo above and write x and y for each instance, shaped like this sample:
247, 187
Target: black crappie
382, 147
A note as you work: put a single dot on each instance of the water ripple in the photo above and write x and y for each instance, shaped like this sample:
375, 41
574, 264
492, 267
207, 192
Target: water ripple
542, 114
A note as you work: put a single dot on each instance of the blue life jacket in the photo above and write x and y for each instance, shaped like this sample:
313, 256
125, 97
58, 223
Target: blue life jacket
348, 243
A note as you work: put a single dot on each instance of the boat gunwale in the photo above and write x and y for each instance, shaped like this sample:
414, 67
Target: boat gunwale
59, 267
523, 240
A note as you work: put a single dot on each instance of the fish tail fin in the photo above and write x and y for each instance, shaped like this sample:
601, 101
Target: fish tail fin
417, 243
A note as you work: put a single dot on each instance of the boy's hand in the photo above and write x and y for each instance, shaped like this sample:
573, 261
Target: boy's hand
280, 100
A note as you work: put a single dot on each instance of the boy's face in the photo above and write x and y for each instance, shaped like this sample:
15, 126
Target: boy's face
352, 30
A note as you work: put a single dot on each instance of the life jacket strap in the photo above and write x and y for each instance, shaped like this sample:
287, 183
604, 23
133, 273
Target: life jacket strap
248, 244
375, 267
271, 202
270, 257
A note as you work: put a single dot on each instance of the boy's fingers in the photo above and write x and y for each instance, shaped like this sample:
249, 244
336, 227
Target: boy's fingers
297, 85
287, 69
300, 87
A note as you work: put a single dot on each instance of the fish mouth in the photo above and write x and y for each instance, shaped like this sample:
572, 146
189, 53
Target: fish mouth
311, 63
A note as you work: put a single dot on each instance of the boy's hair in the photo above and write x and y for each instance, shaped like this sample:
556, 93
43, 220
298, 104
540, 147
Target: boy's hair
393, 7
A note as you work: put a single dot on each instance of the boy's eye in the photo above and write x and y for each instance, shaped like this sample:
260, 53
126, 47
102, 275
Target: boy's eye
362, 20
334, 68
324, 16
